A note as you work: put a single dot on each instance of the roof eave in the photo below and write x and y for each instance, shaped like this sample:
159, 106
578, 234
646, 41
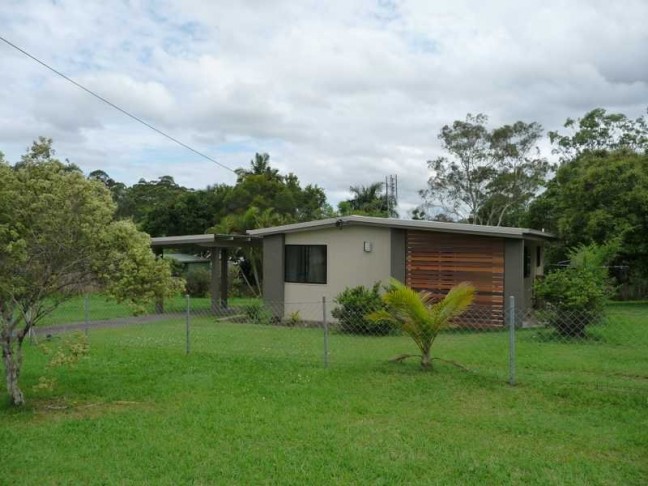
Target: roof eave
457, 228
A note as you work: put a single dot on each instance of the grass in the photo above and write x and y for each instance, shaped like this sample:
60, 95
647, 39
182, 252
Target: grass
101, 308
253, 404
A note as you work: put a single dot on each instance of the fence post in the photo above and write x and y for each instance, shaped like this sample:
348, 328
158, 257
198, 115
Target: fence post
326, 332
86, 313
188, 319
511, 326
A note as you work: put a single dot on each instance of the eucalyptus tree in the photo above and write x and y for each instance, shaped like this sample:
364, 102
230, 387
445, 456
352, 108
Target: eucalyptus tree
487, 175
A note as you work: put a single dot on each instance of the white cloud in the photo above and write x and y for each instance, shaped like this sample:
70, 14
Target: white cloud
341, 93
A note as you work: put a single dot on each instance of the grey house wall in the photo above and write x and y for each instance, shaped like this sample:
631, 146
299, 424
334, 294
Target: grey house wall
514, 274
273, 273
398, 254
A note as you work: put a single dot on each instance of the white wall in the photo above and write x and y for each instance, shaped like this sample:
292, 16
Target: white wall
348, 265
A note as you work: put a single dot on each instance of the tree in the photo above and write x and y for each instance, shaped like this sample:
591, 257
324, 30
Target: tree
260, 165
146, 201
103, 177
418, 316
57, 234
489, 175
600, 131
369, 201
597, 197
252, 256
188, 212
263, 197
263, 187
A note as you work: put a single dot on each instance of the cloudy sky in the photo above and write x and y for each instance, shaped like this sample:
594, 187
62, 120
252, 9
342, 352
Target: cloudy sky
339, 92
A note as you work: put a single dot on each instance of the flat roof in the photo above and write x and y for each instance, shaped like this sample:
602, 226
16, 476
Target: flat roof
186, 258
474, 229
204, 241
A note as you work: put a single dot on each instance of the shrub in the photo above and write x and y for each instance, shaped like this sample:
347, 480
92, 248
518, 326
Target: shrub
198, 282
257, 313
294, 319
575, 296
354, 303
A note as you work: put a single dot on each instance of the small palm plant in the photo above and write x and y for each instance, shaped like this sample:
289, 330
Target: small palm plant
417, 315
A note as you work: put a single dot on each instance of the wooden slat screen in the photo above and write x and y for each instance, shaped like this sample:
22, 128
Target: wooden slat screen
437, 261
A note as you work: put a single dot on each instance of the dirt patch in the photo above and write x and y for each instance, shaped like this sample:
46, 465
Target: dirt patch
62, 409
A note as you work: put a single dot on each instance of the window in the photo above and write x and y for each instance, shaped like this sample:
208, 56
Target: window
305, 264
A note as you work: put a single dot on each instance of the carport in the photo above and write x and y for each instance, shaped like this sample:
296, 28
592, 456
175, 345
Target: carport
219, 247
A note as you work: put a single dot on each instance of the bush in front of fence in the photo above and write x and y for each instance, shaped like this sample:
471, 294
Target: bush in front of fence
198, 281
575, 296
354, 303
257, 313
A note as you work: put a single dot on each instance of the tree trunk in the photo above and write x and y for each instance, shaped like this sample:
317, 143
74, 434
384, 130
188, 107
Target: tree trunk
12, 360
426, 361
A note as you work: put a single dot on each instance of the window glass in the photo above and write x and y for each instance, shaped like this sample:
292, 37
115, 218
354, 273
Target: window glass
305, 264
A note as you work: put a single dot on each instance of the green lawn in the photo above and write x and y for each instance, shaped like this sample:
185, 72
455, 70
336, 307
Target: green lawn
253, 404
101, 308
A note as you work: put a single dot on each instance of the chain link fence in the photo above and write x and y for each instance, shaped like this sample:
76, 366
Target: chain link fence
504, 343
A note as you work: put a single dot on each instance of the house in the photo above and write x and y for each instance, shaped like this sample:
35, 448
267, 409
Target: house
304, 262
188, 262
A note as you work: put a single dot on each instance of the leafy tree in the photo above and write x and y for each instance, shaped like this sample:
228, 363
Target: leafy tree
103, 177
57, 234
489, 175
265, 188
260, 165
118, 190
251, 263
189, 212
263, 197
145, 201
597, 197
368, 201
416, 314
599, 131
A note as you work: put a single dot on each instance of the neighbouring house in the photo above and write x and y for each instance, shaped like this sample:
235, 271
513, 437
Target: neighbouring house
189, 262
307, 261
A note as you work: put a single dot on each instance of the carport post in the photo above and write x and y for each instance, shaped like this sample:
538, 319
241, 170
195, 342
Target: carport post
86, 313
511, 326
223, 278
214, 288
159, 300
326, 332
188, 321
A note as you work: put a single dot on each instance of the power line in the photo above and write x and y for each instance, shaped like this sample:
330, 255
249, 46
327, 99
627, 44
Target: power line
113, 105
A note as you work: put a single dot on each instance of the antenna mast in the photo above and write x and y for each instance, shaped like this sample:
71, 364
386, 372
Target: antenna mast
391, 193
